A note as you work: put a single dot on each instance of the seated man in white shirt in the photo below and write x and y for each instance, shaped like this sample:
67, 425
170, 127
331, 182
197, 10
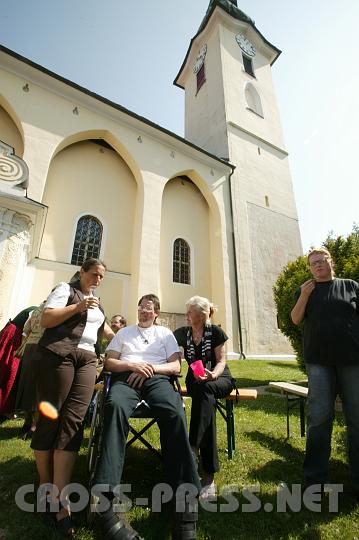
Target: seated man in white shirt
142, 359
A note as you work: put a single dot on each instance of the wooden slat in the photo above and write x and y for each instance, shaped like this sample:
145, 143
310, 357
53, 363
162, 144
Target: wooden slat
243, 394
290, 388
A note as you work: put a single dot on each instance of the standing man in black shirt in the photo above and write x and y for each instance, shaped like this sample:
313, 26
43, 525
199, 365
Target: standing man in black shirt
329, 307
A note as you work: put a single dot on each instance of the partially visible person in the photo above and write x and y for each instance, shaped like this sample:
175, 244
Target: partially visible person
204, 342
117, 322
26, 401
10, 341
329, 307
74, 320
143, 358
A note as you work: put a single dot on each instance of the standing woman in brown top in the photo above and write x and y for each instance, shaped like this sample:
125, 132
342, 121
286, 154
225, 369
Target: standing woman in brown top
73, 319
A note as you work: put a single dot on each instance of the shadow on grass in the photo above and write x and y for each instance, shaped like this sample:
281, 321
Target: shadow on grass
9, 429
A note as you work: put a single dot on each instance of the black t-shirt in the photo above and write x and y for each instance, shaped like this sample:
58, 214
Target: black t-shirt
331, 323
218, 338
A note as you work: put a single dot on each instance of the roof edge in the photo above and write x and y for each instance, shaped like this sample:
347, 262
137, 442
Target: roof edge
235, 12
110, 103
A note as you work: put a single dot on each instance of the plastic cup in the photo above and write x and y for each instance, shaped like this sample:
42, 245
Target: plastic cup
197, 368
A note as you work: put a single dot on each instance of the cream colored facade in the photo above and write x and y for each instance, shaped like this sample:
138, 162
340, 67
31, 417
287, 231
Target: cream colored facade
83, 155
235, 116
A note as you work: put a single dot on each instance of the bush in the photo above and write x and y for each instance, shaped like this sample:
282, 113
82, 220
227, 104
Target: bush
291, 278
345, 254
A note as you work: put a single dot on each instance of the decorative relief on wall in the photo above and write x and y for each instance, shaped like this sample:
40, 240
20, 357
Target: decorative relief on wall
14, 245
13, 170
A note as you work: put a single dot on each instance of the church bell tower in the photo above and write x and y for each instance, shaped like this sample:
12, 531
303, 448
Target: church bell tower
231, 111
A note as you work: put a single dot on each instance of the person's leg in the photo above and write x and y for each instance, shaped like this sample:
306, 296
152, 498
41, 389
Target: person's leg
321, 400
168, 410
167, 407
203, 429
64, 462
120, 404
348, 377
54, 379
44, 464
78, 380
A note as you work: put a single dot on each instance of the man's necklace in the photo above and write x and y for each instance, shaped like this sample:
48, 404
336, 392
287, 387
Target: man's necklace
144, 339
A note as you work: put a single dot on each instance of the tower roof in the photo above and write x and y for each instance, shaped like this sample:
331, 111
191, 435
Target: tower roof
230, 7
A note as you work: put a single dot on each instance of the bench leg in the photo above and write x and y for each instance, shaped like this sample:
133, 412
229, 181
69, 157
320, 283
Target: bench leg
287, 415
292, 402
231, 443
302, 417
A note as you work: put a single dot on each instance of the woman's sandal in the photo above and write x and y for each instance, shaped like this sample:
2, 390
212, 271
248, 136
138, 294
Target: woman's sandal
113, 527
64, 525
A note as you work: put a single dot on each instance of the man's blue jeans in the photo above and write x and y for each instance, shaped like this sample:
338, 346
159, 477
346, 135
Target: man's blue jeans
324, 383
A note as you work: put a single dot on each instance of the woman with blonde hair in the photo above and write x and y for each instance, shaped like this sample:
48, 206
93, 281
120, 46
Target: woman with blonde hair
208, 379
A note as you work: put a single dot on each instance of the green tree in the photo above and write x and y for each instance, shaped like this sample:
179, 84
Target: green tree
290, 279
345, 254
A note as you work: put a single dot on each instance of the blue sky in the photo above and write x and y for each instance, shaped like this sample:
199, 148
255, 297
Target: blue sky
130, 52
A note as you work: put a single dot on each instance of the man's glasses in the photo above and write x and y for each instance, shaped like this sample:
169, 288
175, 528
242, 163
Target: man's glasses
145, 309
318, 262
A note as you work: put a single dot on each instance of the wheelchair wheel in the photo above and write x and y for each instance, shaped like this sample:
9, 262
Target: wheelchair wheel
94, 447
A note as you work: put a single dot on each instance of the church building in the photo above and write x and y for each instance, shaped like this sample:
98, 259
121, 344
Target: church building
211, 213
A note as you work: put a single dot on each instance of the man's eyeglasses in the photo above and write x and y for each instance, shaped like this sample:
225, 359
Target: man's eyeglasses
145, 309
318, 262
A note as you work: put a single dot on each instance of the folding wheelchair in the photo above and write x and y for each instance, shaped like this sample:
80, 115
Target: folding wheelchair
97, 412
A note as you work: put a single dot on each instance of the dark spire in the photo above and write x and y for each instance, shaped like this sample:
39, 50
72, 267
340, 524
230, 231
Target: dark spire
230, 6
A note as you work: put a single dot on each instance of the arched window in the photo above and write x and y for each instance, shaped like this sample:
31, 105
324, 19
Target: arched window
87, 240
253, 100
181, 262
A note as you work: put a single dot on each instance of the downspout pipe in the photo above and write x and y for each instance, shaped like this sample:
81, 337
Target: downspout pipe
242, 355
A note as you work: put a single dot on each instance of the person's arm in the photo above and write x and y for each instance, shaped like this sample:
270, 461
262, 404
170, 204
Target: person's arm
27, 326
53, 316
219, 352
107, 332
114, 364
298, 312
172, 367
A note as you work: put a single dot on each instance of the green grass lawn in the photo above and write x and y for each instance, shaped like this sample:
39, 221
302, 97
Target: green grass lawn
263, 458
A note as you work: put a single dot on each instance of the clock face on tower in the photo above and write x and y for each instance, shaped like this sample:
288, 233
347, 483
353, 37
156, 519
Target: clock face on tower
200, 59
245, 45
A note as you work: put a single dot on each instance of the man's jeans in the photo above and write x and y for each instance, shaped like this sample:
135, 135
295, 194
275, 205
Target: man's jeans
324, 383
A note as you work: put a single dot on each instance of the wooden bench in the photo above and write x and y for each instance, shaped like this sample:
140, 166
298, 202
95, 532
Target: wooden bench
226, 411
295, 394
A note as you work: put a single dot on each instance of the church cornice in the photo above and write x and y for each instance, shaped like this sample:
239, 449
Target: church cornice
256, 138
89, 95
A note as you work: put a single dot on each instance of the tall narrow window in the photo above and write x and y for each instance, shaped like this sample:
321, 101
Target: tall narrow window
87, 240
248, 65
181, 262
201, 77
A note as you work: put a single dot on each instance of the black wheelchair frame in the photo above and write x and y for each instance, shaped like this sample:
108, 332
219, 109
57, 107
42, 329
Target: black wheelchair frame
98, 410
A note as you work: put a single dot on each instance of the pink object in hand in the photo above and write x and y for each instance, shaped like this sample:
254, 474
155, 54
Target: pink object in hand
198, 368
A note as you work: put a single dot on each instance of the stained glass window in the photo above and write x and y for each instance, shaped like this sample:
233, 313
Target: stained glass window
181, 262
87, 240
